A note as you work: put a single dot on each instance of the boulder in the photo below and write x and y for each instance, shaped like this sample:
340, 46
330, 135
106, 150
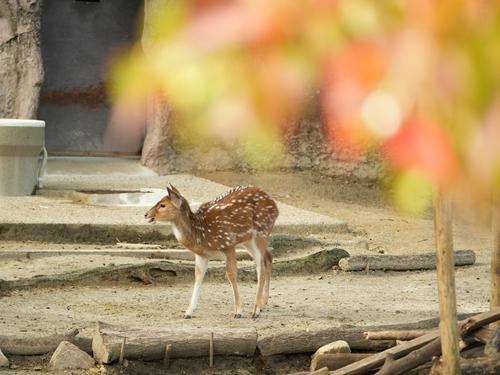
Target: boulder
339, 346
69, 356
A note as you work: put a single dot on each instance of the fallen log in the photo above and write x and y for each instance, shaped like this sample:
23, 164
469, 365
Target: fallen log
307, 341
291, 341
149, 343
335, 360
377, 360
37, 345
402, 262
482, 335
395, 335
416, 358
472, 366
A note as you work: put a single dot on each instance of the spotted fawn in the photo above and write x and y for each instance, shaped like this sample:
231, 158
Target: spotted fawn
242, 215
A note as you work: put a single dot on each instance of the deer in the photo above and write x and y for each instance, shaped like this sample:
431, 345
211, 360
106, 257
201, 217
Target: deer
244, 215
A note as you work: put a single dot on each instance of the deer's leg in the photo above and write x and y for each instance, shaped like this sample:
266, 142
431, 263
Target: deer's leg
253, 249
267, 260
232, 275
200, 269
254, 252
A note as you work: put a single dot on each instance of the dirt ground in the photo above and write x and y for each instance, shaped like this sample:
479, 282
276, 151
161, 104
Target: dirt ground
301, 301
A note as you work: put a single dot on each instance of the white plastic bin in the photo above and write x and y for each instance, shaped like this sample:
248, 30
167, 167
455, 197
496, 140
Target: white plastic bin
22, 156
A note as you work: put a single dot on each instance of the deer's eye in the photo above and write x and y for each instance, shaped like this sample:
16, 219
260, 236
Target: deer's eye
162, 205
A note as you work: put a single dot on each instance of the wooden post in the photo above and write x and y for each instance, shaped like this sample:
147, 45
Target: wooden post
122, 350
168, 354
211, 350
495, 258
446, 284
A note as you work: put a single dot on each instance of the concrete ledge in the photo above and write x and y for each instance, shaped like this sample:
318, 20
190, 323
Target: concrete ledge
65, 211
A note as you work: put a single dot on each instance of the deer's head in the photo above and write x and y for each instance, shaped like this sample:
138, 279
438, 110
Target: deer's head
168, 208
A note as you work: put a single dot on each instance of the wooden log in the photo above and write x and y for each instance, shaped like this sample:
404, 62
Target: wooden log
395, 335
335, 360
375, 361
414, 359
476, 322
291, 341
492, 347
483, 335
149, 343
471, 366
402, 262
445, 261
34, 345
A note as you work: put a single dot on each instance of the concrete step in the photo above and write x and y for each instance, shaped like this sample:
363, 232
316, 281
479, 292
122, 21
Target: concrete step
81, 201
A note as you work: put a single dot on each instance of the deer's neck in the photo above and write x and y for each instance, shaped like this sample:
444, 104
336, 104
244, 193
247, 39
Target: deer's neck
186, 230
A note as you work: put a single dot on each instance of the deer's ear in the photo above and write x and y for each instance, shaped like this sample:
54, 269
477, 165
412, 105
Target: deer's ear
174, 189
175, 198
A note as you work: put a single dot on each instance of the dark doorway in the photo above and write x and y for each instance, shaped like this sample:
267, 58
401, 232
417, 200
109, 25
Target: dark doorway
77, 40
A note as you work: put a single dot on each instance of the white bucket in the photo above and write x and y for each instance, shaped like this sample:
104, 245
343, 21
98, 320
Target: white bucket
22, 156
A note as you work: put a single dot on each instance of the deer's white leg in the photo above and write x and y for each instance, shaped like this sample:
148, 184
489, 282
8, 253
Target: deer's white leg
200, 269
252, 248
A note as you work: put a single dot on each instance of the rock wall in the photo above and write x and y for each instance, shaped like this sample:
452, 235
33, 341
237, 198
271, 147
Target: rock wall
21, 70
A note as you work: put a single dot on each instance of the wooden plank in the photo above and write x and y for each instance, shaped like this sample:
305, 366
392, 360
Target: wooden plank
446, 284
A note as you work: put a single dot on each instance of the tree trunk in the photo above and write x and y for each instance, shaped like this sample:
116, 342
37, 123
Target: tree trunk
402, 262
21, 70
150, 343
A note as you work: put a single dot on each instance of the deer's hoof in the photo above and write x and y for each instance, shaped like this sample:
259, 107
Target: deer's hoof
255, 316
187, 316
237, 316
